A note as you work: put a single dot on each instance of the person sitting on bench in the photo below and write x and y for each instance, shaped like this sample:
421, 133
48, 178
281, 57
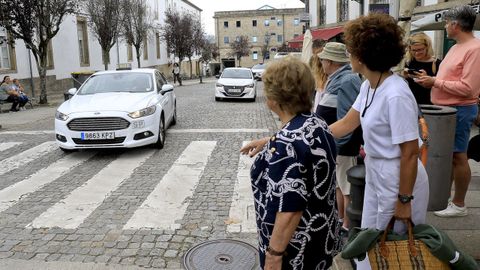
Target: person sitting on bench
8, 94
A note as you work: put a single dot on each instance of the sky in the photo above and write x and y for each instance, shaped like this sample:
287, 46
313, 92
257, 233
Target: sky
210, 6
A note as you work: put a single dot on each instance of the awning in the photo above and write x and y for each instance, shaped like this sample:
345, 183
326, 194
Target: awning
435, 21
324, 34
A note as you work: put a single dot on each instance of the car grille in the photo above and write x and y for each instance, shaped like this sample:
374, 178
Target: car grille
234, 90
110, 141
98, 123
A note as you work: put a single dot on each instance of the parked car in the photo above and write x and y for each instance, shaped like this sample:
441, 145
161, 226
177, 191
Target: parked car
236, 83
127, 108
258, 70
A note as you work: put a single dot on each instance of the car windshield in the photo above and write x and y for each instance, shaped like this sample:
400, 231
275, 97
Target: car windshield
237, 74
259, 66
118, 82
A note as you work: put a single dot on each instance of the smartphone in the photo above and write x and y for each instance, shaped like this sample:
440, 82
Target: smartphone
412, 71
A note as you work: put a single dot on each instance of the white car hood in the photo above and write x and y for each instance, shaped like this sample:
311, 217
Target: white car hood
260, 70
127, 102
237, 82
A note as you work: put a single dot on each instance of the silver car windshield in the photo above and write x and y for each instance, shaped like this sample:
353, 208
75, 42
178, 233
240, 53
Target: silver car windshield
237, 74
259, 66
117, 82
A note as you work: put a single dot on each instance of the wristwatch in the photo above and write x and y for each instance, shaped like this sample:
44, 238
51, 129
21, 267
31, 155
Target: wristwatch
405, 198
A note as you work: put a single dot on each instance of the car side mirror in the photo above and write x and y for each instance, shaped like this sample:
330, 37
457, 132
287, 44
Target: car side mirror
166, 88
72, 91
217, 76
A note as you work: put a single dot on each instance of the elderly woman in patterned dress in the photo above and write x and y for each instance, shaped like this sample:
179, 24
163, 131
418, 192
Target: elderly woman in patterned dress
293, 177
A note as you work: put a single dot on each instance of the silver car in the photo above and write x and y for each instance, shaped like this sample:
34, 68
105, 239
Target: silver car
258, 70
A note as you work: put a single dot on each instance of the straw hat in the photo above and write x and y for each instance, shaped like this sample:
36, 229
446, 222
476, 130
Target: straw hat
334, 51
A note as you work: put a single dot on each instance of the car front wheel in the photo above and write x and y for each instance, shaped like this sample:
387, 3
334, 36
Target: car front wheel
161, 134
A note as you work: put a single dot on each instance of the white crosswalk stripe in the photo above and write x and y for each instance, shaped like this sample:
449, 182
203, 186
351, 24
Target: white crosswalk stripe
242, 212
72, 211
12, 194
8, 145
24, 157
167, 203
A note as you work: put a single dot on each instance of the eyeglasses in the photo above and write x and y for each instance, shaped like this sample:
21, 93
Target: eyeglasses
418, 50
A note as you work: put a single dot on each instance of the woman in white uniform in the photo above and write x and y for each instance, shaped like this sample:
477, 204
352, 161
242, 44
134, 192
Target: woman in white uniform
396, 181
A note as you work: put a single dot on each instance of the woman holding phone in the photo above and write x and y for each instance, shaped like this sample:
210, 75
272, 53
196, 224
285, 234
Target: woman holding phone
420, 62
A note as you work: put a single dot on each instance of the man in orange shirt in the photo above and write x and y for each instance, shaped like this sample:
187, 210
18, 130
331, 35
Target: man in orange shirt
457, 85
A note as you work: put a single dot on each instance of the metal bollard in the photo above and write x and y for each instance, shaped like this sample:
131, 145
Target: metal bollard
441, 121
356, 177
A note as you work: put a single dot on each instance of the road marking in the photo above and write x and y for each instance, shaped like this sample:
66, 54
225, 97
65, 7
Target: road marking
169, 200
26, 156
28, 132
8, 145
14, 193
199, 130
218, 130
72, 211
242, 211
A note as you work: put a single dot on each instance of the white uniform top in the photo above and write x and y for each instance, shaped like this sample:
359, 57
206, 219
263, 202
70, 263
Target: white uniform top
391, 118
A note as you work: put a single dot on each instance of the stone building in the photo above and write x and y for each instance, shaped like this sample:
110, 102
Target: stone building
267, 28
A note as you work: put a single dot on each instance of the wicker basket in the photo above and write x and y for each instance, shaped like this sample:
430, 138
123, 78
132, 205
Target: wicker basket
403, 254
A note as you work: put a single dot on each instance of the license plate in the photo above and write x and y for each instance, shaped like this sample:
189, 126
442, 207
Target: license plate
235, 90
98, 135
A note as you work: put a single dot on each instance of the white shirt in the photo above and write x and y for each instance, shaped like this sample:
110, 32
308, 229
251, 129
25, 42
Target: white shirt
391, 118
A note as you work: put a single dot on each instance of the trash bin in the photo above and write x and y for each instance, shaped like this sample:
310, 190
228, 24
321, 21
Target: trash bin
356, 177
78, 78
441, 122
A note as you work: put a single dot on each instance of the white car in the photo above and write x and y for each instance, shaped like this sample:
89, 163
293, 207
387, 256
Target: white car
258, 70
113, 109
236, 83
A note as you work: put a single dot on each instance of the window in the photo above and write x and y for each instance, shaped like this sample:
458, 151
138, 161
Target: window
155, 6
157, 42
82, 35
7, 52
129, 52
145, 49
322, 15
225, 24
279, 22
280, 38
272, 18
343, 10
296, 21
238, 24
226, 40
272, 34
254, 39
237, 38
255, 55
254, 23
266, 23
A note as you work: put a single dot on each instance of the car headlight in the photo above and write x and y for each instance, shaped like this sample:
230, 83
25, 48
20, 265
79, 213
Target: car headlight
61, 116
218, 85
143, 112
250, 85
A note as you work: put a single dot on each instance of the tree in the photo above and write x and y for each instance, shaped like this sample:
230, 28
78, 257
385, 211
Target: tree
239, 48
36, 22
176, 33
137, 24
265, 47
105, 22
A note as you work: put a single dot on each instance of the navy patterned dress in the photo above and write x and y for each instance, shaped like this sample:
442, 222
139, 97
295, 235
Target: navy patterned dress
296, 172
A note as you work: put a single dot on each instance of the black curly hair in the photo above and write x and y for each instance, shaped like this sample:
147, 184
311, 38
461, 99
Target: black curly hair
376, 40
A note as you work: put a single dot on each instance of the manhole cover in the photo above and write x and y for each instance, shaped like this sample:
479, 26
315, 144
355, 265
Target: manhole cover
221, 254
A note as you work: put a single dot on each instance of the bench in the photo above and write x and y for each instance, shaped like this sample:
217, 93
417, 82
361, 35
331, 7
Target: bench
29, 102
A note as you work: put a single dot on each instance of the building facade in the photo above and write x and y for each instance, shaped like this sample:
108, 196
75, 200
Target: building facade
265, 27
75, 49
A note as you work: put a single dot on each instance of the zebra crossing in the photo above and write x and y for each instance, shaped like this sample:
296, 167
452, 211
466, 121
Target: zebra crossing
163, 208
